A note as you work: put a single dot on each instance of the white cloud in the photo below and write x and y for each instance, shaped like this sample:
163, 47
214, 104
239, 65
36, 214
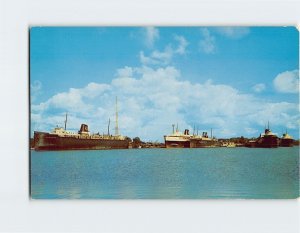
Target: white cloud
150, 100
151, 35
287, 82
164, 57
208, 42
73, 100
182, 44
126, 71
259, 87
233, 32
157, 57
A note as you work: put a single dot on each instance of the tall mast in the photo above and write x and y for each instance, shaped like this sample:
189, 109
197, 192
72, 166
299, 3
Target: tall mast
173, 125
268, 125
108, 126
210, 132
66, 120
117, 127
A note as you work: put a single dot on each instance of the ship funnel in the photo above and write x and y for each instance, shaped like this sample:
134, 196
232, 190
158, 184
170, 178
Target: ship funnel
83, 129
186, 132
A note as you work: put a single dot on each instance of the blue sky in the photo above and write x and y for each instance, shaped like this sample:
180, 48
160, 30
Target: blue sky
231, 79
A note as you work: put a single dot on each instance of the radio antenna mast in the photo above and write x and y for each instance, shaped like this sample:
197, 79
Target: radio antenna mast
117, 127
66, 120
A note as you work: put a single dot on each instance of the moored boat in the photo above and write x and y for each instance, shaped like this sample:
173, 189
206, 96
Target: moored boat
266, 140
286, 140
177, 139
202, 141
60, 139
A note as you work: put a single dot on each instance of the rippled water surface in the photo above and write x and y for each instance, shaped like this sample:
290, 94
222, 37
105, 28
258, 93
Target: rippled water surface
166, 173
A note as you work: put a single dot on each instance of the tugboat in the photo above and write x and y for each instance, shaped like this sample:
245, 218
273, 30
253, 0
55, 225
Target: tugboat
286, 140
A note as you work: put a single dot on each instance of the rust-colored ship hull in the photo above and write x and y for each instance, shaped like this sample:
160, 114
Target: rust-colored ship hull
47, 141
286, 142
267, 142
199, 143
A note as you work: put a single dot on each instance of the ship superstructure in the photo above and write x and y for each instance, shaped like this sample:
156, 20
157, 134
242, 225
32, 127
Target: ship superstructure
177, 139
266, 140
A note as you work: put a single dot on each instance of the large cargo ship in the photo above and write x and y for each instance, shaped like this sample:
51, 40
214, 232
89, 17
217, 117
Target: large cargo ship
61, 139
178, 139
286, 140
266, 140
185, 140
203, 141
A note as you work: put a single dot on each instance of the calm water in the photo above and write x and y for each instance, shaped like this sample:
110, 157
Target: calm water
166, 173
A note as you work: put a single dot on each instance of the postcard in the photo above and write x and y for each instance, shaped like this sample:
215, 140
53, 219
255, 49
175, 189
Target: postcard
164, 112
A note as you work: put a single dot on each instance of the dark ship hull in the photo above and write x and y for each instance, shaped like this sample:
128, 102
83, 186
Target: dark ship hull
47, 141
199, 143
267, 142
286, 142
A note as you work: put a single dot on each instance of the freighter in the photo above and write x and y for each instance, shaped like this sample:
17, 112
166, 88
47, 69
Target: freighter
178, 139
202, 141
286, 140
61, 139
266, 140
185, 140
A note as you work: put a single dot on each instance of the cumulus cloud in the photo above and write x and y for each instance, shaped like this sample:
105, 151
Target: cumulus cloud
125, 72
259, 87
151, 99
208, 42
73, 100
287, 82
151, 35
165, 57
233, 32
